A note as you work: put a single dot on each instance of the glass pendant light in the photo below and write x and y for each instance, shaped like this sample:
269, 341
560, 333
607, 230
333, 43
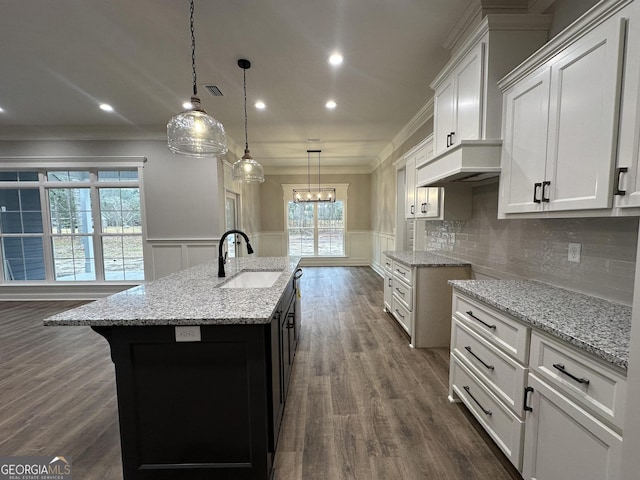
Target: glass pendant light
246, 169
194, 132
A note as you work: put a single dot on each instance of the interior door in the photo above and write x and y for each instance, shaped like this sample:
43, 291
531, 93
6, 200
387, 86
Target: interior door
231, 223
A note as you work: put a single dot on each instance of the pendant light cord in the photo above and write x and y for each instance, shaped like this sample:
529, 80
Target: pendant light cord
246, 135
193, 52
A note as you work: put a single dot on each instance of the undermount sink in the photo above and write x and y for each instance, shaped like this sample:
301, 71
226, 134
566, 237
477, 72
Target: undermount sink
252, 280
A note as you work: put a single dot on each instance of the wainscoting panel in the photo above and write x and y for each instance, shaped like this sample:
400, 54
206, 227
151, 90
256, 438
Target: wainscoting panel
169, 256
381, 243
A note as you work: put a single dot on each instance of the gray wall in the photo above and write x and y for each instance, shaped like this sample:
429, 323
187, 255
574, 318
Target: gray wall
537, 248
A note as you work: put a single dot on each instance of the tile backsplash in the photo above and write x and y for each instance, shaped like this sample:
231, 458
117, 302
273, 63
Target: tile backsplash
537, 249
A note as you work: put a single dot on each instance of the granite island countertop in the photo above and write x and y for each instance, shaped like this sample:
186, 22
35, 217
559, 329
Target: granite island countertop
189, 297
424, 258
595, 325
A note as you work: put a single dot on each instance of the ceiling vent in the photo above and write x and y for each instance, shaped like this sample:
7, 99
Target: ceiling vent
213, 90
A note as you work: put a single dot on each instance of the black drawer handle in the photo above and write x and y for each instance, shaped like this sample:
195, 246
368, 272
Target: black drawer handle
401, 272
412, 209
470, 313
619, 172
399, 291
490, 367
399, 314
484, 410
560, 367
525, 405
448, 140
390, 282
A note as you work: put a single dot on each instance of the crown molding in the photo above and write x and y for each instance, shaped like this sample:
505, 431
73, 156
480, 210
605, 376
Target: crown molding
419, 119
303, 170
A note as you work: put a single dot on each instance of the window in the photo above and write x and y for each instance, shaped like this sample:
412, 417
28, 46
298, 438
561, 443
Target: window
71, 225
316, 229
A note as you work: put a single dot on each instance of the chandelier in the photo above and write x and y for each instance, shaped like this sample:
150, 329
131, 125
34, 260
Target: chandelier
319, 194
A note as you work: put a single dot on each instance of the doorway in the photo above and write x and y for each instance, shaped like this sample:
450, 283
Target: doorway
231, 203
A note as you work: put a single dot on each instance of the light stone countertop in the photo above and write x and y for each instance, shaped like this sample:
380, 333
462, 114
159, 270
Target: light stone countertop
424, 258
597, 326
189, 297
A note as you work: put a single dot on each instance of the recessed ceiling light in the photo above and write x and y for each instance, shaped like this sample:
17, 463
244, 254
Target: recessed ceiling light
335, 59
331, 104
187, 105
260, 105
1, 109
106, 107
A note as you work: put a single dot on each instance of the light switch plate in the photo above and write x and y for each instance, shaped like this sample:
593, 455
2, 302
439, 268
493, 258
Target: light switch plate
188, 334
574, 252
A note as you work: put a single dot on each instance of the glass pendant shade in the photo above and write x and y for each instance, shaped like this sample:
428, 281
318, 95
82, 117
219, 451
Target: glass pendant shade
247, 170
195, 133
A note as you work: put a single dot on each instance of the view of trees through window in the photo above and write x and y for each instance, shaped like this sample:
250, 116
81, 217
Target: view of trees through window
316, 229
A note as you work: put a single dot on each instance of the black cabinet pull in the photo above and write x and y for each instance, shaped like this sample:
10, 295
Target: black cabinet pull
423, 208
484, 410
560, 367
389, 282
399, 291
399, 314
470, 313
536, 186
490, 367
545, 184
412, 210
400, 272
619, 172
448, 140
452, 134
525, 405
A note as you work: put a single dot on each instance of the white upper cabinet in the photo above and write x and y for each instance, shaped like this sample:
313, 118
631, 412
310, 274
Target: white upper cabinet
627, 177
561, 111
457, 102
467, 104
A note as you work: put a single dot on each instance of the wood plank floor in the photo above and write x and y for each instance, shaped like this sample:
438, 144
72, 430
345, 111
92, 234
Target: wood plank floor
362, 404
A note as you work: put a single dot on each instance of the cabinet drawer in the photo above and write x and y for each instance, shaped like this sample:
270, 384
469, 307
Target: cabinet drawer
496, 418
501, 373
401, 314
402, 272
403, 293
592, 385
507, 334
388, 264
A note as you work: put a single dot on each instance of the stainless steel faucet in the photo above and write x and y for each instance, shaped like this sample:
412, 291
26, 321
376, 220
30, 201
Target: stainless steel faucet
221, 258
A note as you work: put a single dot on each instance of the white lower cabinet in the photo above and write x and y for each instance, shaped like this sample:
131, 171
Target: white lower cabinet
563, 441
555, 411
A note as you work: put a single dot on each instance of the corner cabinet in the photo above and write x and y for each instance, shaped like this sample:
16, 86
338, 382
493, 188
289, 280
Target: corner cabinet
561, 112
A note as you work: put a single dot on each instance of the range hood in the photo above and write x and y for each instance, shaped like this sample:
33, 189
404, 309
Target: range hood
468, 161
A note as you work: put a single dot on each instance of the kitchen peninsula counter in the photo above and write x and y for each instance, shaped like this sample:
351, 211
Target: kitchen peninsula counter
424, 258
202, 372
597, 326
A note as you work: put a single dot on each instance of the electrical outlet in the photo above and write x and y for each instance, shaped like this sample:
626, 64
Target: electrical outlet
574, 252
188, 334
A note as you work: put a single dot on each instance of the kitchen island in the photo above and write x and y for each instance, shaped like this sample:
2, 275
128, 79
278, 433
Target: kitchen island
202, 370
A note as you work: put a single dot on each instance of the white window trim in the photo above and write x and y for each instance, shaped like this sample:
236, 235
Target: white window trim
342, 190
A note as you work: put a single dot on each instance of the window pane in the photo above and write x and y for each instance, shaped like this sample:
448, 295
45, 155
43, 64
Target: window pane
120, 210
23, 258
68, 176
70, 210
18, 176
123, 259
117, 175
73, 257
330, 241
301, 241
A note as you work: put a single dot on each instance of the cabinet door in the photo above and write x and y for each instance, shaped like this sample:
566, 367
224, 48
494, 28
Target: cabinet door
388, 290
410, 186
468, 93
524, 144
443, 115
583, 120
629, 146
562, 441
432, 200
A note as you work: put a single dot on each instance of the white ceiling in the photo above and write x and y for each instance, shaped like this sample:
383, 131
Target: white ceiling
60, 58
